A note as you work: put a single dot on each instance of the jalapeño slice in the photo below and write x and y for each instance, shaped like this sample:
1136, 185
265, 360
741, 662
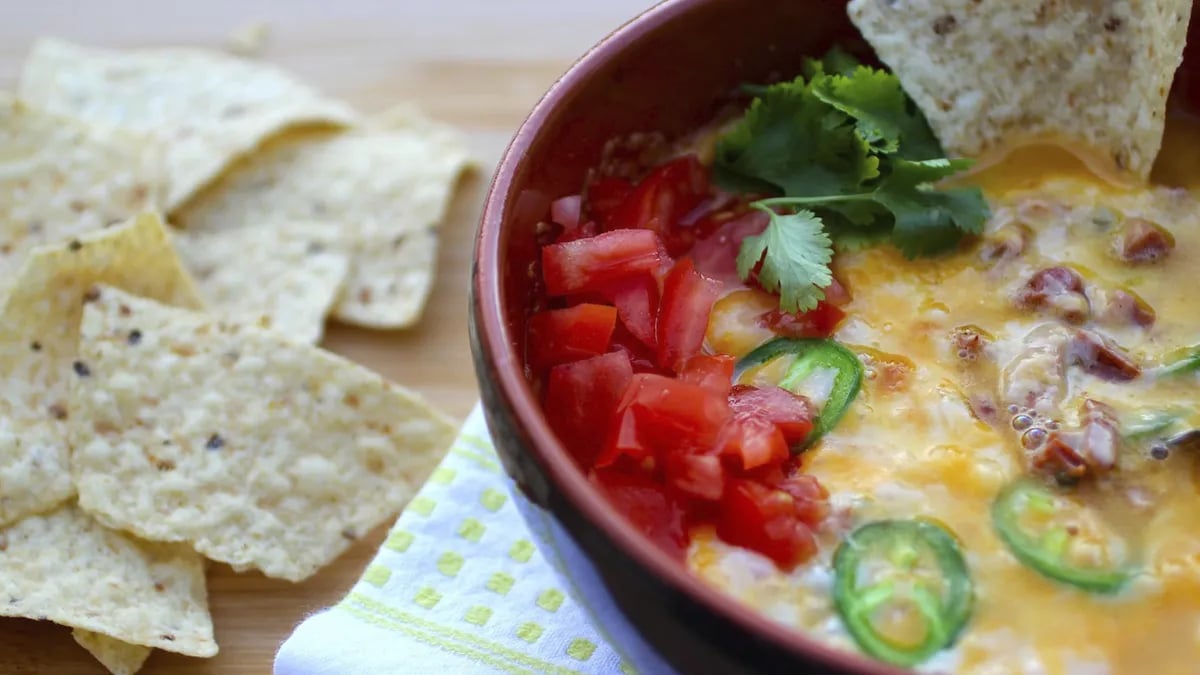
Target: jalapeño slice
823, 370
1181, 361
1060, 538
902, 589
1149, 422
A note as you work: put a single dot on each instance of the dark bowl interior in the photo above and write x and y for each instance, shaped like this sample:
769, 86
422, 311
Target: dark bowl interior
669, 71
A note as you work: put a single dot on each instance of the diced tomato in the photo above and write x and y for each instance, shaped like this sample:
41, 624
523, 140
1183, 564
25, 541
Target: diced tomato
650, 506
636, 299
716, 255
565, 211
561, 335
792, 413
711, 371
592, 263
643, 357
582, 398
837, 294
812, 503
696, 475
687, 301
605, 195
663, 198
671, 416
752, 441
763, 519
818, 322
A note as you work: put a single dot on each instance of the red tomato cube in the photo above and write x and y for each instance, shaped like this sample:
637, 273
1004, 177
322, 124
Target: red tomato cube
582, 398
561, 335
591, 263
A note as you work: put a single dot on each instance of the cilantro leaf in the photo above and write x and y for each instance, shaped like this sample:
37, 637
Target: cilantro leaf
846, 146
836, 61
795, 253
884, 116
792, 142
928, 220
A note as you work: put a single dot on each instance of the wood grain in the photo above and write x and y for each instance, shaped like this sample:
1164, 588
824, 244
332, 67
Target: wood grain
479, 64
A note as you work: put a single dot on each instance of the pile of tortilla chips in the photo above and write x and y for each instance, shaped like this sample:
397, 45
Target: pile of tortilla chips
164, 401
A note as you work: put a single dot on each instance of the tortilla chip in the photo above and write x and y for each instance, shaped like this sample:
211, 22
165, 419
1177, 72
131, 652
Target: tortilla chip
60, 178
382, 190
120, 658
994, 75
66, 568
39, 333
261, 452
282, 280
207, 108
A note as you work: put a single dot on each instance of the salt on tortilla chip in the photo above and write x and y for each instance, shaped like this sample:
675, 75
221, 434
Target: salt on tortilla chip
282, 279
207, 108
382, 189
65, 567
60, 178
261, 452
990, 76
120, 658
39, 333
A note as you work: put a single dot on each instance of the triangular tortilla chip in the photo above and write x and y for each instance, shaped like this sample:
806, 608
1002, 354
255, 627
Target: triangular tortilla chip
286, 281
207, 108
60, 178
382, 190
39, 333
259, 451
66, 568
990, 76
120, 658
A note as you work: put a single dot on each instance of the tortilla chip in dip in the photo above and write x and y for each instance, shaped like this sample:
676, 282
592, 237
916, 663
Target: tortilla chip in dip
60, 178
65, 567
259, 451
990, 76
207, 108
287, 281
39, 333
120, 658
381, 190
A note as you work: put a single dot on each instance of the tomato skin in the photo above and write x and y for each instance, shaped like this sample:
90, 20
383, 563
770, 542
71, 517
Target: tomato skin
561, 335
651, 507
764, 519
591, 263
659, 415
819, 322
792, 413
752, 441
636, 300
582, 398
687, 301
711, 371
662, 199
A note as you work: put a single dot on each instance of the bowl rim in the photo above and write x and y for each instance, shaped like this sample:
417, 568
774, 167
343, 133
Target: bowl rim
496, 344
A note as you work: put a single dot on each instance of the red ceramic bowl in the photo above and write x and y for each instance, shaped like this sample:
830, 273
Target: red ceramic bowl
669, 70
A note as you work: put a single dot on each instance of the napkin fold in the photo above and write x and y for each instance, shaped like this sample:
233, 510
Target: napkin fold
457, 587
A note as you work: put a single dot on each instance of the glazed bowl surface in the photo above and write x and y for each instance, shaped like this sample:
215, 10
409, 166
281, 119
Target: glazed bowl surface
669, 71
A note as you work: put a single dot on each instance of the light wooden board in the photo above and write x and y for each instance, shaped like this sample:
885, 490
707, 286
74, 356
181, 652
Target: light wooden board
479, 64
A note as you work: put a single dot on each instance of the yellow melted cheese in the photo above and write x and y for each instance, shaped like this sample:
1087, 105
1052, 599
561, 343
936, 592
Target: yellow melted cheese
912, 447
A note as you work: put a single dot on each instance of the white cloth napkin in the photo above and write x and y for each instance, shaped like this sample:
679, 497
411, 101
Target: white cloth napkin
458, 587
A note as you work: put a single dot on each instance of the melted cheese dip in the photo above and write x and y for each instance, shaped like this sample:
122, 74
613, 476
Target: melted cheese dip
930, 434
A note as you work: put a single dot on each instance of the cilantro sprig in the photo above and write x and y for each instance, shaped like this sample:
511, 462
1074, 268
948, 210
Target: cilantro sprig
852, 163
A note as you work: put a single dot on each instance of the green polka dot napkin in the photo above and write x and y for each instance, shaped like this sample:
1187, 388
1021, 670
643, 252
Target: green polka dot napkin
458, 587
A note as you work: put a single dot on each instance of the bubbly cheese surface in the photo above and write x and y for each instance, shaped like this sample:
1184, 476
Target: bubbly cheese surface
914, 443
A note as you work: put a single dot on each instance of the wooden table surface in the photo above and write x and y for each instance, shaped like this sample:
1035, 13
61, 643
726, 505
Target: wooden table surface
479, 64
